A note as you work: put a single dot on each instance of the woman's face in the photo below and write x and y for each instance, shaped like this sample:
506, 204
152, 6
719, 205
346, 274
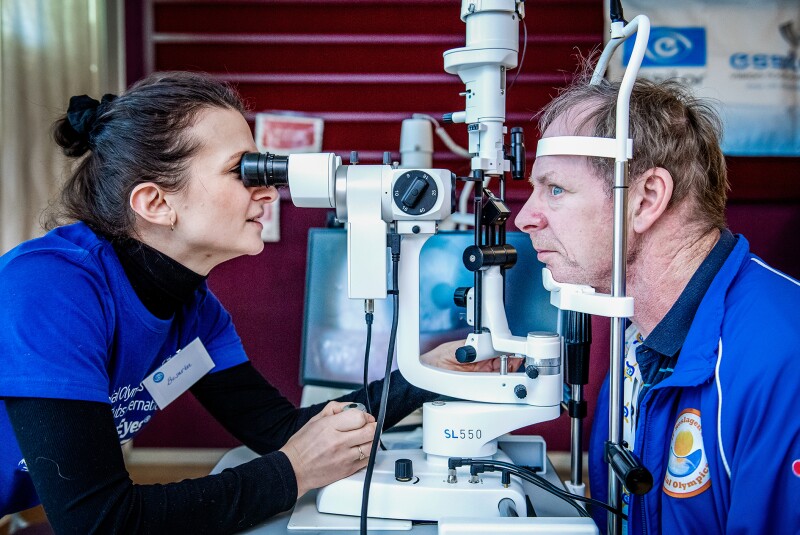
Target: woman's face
216, 214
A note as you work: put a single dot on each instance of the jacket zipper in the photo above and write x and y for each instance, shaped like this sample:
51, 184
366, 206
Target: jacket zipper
644, 450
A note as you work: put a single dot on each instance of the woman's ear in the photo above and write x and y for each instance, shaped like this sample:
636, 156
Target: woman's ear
149, 202
649, 197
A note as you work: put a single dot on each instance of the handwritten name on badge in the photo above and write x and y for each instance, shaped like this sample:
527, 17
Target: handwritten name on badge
179, 373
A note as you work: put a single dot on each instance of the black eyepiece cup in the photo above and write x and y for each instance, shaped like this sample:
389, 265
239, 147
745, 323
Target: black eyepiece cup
264, 169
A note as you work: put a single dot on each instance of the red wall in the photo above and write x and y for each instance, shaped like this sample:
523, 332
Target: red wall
364, 65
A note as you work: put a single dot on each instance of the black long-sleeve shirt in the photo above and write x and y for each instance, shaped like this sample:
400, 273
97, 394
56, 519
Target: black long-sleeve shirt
75, 461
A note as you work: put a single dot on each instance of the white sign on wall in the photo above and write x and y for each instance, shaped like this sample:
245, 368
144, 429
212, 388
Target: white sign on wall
288, 134
742, 55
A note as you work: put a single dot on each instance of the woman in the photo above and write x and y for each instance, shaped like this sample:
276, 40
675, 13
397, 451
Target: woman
94, 308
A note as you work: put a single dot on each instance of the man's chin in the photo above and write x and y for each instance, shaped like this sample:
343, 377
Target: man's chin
581, 281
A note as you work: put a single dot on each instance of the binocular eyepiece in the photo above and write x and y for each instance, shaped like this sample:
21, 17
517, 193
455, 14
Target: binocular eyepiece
264, 169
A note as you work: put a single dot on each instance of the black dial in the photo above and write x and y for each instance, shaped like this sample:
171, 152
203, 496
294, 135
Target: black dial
415, 192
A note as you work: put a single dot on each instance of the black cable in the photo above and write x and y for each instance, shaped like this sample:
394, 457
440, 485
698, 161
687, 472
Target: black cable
616, 11
481, 465
529, 475
368, 318
394, 240
524, 49
478, 466
572, 496
546, 485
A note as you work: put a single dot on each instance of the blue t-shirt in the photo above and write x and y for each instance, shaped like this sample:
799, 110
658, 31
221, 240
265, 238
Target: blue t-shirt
73, 328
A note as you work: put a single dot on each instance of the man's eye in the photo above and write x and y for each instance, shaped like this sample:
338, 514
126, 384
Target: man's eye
556, 190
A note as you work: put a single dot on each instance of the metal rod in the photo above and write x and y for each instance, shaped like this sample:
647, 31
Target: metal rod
576, 452
617, 333
478, 282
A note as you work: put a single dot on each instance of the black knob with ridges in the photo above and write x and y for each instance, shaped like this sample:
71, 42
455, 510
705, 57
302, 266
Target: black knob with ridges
403, 470
460, 296
466, 354
520, 391
531, 371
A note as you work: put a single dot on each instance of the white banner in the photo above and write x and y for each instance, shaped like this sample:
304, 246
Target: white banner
742, 55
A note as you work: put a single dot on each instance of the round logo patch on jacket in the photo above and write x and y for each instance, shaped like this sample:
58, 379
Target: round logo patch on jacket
687, 469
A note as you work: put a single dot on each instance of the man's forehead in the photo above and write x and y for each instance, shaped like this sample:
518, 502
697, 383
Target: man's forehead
574, 121
554, 167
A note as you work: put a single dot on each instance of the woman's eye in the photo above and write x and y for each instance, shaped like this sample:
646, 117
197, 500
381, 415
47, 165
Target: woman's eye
556, 190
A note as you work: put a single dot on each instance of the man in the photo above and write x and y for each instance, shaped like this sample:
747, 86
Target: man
712, 350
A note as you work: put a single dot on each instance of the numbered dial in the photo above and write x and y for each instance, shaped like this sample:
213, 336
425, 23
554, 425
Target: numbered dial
415, 192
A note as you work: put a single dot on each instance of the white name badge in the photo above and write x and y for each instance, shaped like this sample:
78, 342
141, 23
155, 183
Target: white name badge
179, 373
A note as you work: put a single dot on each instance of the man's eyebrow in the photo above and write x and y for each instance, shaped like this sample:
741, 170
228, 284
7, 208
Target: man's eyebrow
541, 179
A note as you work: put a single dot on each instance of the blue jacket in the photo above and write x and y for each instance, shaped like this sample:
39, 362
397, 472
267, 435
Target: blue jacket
721, 435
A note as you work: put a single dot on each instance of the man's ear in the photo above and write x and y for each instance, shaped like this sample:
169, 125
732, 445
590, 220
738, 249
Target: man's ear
150, 203
649, 197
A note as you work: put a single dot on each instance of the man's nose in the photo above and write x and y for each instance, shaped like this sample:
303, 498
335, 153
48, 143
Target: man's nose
530, 218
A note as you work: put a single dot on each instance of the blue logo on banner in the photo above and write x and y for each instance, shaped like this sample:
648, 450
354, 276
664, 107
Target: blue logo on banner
157, 378
671, 47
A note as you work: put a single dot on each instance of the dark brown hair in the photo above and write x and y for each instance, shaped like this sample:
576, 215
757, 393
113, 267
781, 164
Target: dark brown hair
140, 136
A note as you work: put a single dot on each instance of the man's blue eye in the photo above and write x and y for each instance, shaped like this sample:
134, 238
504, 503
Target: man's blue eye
556, 190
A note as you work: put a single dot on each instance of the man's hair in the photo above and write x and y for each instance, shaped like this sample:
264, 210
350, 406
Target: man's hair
670, 128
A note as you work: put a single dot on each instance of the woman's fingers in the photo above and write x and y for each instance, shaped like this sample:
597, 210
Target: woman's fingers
327, 449
361, 453
352, 419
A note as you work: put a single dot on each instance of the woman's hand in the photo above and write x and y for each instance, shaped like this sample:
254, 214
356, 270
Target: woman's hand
332, 445
444, 357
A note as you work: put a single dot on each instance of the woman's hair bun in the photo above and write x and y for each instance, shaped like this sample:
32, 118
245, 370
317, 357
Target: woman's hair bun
74, 131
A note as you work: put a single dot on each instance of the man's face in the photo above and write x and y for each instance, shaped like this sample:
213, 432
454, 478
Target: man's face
569, 215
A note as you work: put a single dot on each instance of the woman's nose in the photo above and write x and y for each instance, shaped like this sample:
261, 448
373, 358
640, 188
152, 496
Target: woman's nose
265, 193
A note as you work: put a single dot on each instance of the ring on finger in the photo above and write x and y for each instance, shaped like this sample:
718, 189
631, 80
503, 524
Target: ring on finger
360, 454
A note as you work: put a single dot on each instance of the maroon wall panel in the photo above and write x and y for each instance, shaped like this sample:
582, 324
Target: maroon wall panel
364, 65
